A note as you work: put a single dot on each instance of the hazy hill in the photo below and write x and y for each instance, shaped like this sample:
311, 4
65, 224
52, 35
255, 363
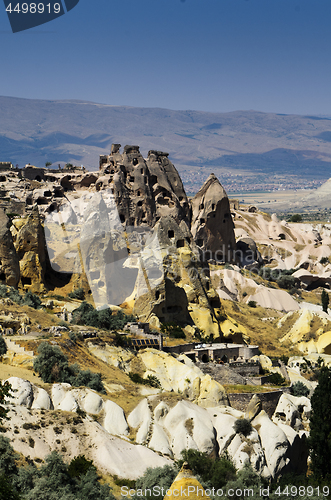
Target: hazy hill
249, 142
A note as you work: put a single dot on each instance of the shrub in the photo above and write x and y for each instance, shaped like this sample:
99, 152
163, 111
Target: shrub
299, 389
32, 300
3, 346
243, 426
320, 425
151, 380
216, 472
85, 314
77, 294
251, 303
276, 379
295, 218
79, 465
284, 359
324, 260
10, 293
52, 366
325, 300
173, 330
285, 281
163, 477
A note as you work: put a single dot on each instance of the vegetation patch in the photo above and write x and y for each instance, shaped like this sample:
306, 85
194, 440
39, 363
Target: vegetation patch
53, 366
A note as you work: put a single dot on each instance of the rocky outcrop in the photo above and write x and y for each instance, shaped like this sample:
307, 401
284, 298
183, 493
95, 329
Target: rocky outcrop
272, 447
9, 265
212, 225
29, 242
180, 282
144, 190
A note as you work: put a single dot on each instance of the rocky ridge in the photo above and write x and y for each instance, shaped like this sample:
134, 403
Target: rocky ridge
129, 223
161, 432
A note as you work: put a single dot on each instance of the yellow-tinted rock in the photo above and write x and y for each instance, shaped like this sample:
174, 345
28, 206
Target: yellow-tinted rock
186, 486
324, 343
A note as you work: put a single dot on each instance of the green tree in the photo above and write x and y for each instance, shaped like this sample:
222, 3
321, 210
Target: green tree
53, 366
320, 425
48, 164
295, 218
243, 426
163, 477
173, 330
299, 389
213, 472
3, 346
4, 392
325, 300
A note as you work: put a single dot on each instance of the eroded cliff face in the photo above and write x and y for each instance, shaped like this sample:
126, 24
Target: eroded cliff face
9, 264
128, 229
144, 190
29, 242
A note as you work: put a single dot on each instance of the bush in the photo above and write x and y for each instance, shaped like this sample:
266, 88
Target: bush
325, 300
251, 303
151, 380
3, 346
162, 477
79, 465
324, 260
173, 330
299, 389
32, 300
287, 282
11, 293
85, 314
215, 472
52, 366
295, 218
243, 426
77, 294
276, 379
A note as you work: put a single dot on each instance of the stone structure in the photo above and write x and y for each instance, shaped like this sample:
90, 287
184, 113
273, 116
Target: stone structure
212, 225
216, 352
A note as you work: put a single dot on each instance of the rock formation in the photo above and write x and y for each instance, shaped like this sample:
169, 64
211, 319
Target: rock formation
273, 447
212, 225
144, 190
29, 242
9, 265
128, 228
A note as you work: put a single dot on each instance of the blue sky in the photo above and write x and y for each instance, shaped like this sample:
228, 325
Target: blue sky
210, 55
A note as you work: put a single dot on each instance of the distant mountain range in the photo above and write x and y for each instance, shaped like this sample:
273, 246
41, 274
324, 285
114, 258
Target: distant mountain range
259, 145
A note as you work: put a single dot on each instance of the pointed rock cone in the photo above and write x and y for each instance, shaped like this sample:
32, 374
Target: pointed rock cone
186, 486
212, 225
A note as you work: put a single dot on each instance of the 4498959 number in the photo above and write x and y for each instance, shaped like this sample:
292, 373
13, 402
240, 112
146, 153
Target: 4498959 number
34, 8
